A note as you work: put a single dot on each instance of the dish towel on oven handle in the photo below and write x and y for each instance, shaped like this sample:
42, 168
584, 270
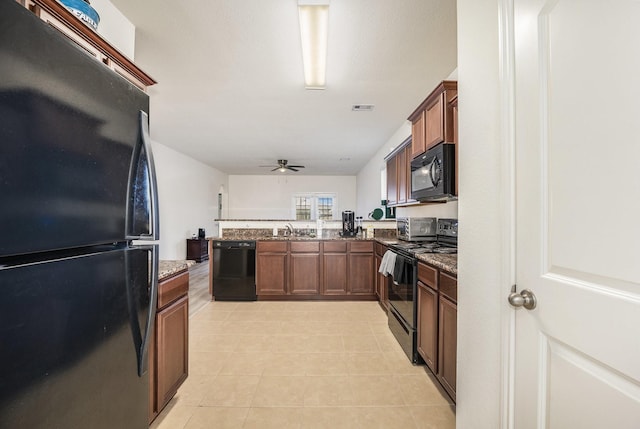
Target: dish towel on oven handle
400, 273
388, 263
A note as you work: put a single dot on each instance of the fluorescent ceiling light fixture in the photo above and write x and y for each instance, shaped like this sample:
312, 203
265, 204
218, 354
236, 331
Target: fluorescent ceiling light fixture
314, 24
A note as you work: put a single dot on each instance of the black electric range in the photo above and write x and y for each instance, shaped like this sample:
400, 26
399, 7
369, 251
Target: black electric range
403, 290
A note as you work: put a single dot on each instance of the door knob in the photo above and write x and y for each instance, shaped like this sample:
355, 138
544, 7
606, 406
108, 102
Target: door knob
525, 299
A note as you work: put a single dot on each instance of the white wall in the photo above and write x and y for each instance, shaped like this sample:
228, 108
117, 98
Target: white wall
115, 27
368, 179
270, 196
480, 298
188, 196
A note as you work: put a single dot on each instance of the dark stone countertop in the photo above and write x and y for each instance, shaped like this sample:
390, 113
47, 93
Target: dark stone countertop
444, 262
169, 268
286, 238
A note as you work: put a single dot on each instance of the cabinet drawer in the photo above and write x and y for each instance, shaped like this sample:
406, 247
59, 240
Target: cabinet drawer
449, 287
173, 288
361, 246
335, 246
428, 275
272, 246
305, 246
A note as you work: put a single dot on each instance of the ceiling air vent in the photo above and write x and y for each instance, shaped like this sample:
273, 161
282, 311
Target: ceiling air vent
362, 107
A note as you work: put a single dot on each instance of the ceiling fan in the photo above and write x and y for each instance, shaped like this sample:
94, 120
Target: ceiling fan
283, 166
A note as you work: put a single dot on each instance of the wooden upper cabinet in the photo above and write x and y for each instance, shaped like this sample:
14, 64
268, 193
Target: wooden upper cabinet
407, 175
399, 175
432, 121
392, 181
418, 145
434, 124
58, 17
401, 160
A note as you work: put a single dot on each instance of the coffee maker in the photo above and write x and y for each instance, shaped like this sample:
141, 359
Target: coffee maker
348, 224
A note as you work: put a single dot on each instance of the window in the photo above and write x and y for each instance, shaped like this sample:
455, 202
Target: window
314, 206
303, 207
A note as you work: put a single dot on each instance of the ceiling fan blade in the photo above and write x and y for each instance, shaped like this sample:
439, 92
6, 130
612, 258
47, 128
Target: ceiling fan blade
277, 168
296, 166
269, 166
291, 168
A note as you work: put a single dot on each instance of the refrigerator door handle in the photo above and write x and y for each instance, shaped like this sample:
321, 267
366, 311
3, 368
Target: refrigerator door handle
143, 355
142, 222
153, 182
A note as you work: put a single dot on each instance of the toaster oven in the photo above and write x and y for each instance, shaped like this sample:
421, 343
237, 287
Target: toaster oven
416, 228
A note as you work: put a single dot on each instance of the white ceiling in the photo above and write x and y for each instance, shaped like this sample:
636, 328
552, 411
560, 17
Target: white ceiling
230, 89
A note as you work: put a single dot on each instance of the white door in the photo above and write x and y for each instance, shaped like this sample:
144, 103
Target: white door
577, 142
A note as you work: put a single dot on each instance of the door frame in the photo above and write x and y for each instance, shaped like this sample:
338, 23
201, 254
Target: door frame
506, 40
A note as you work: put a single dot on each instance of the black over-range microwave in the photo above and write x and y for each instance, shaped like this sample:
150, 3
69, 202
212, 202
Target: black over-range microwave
433, 174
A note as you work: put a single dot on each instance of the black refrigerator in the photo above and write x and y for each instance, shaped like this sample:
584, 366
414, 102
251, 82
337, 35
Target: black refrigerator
78, 235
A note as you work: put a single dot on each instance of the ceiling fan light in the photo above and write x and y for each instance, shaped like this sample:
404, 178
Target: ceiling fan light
314, 24
282, 170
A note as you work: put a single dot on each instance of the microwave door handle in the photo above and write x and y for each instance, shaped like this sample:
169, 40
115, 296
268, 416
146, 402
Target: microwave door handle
435, 172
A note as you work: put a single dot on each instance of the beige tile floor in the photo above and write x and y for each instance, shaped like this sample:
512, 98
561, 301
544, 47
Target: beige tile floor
301, 365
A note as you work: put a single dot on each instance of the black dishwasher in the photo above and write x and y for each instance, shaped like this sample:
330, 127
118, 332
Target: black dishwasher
234, 270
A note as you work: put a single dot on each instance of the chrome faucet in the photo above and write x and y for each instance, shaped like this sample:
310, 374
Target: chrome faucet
289, 231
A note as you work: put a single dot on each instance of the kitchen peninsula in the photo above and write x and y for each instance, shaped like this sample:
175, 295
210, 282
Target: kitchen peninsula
308, 259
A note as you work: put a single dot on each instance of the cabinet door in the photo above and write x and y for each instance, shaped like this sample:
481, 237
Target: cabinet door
271, 278
428, 325
378, 279
418, 146
305, 273
434, 130
381, 284
361, 281
172, 352
401, 162
334, 275
447, 337
407, 176
392, 181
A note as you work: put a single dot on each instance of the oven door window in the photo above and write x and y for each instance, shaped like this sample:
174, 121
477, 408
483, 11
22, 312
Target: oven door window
401, 292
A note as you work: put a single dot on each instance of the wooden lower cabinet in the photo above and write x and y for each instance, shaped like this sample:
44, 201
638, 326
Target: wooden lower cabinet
437, 324
172, 326
361, 280
428, 325
334, 273
379, 276
447, 349
169, 349
312, 269
305, 273
447, 333
271, 268
361, 268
